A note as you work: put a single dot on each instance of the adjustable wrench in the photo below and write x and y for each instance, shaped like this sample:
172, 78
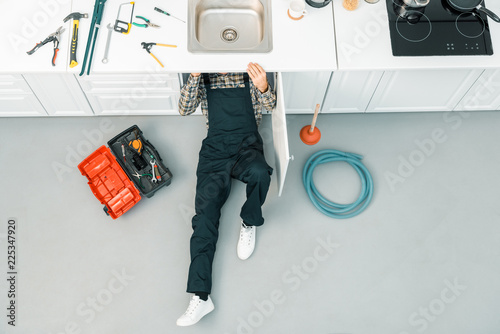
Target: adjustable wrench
110, 30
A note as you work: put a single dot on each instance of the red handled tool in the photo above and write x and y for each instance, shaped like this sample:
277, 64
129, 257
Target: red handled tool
54, 37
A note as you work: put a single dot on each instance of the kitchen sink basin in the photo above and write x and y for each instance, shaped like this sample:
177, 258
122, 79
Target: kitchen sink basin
234, 26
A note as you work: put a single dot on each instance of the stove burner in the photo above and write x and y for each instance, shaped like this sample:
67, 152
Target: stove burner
407, 27
470, 25
437, 30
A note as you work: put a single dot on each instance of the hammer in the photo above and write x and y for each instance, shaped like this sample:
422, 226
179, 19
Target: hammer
74, 39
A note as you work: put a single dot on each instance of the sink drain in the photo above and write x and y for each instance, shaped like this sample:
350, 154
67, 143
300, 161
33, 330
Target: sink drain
229, 35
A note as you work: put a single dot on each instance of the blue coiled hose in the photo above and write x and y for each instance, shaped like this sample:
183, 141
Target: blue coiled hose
331, 209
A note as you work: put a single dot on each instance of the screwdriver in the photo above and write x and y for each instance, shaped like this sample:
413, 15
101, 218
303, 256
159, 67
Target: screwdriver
164, 12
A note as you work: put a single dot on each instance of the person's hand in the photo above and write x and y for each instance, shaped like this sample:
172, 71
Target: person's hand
195, 74
258, 76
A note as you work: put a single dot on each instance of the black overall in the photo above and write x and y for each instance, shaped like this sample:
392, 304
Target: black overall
232, 149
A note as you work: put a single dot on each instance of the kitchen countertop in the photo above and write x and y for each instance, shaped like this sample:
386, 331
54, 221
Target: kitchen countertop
363, 42
305, 45
359, 41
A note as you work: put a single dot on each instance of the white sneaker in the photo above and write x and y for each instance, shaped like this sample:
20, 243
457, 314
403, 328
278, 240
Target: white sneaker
197, 309
246, 243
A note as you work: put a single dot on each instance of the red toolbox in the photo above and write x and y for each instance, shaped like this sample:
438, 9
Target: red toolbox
120, 174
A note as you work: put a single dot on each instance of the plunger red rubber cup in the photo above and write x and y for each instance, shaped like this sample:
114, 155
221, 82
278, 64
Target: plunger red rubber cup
308, 137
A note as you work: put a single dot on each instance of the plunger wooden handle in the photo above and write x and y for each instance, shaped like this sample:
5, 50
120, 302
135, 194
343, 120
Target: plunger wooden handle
314, 118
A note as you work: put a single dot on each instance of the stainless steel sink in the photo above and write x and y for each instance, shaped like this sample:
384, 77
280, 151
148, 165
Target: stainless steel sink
234, 26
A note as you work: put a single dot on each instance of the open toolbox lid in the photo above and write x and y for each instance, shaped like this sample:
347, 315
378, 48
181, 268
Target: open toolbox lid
109, 183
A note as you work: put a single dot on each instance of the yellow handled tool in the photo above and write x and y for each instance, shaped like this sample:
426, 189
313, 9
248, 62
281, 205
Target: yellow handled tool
124, 26
148, 46
74, 38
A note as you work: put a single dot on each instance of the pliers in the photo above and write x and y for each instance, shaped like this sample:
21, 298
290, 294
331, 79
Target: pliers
148, 46
145, 25
54, 37
137, 175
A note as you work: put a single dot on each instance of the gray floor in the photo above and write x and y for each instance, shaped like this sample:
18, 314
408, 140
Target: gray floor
423, 258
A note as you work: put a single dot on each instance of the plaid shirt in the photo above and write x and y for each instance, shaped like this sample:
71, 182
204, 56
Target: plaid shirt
194, 92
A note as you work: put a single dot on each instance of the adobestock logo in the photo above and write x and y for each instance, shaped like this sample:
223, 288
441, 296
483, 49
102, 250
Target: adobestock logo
293, 278
425, 315
29, 27
88, 310
364, 36
426, 148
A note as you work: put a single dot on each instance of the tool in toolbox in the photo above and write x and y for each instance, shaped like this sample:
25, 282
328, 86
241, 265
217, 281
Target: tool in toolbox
146, 24
74, 38
93, 33
156, 177
136, 144
54, 37
137, 175
122, 26
148, 46
108, 42
154, 169
115, 182
168, 14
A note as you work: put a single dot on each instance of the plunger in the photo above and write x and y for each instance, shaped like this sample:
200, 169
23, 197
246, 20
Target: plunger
309, 134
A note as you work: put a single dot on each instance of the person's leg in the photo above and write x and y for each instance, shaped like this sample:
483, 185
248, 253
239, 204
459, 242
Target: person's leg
212, 190
252, 169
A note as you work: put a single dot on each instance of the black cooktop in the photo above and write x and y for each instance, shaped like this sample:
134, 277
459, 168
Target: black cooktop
437, 30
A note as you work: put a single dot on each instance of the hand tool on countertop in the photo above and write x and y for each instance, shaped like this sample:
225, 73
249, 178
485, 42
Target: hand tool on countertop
93, 33
146, 24
74, 38
124, 26
148, 46
108, 42
168, 14
54, 37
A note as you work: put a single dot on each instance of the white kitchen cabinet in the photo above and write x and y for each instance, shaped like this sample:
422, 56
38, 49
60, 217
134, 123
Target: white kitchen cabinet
484, 94
422, 90
303, 90
132, 104
60, 94
280, 135
17, 98
132, 94
350, 91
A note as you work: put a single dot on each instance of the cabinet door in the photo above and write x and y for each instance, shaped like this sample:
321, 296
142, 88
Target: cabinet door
132, 94
20, 105
17, 98
280, 135
131, 104
484, 95
350, 91
422, 90
303, 90
60, 94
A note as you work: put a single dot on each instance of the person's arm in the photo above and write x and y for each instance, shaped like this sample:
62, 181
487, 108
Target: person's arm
264, 92
190, 95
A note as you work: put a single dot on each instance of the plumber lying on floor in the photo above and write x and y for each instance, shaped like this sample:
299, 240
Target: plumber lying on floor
233, 148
